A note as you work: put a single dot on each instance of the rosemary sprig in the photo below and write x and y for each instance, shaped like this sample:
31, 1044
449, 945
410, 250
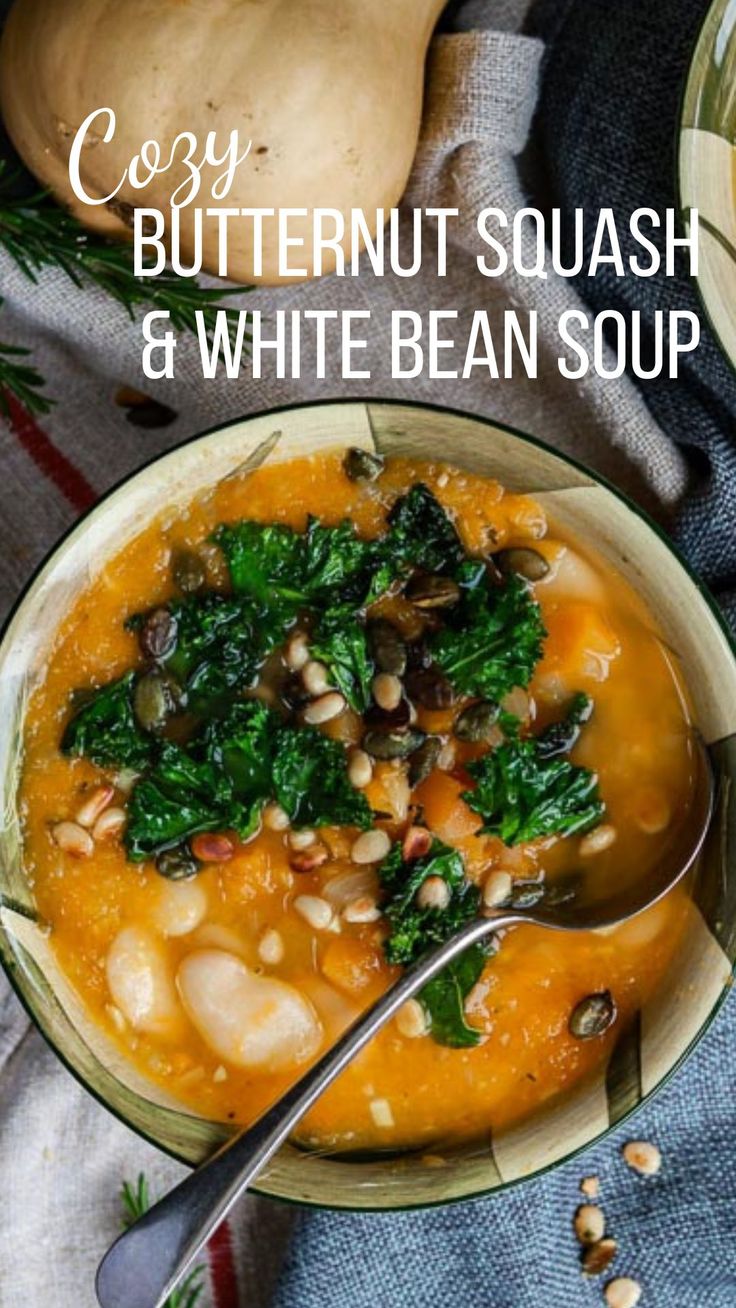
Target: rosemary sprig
137, 1201
21, 380
37, 233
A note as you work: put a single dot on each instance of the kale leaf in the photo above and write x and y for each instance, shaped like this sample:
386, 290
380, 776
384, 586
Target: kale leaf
218, 782
298, 568
221, 642
422, 533
521, 794
414, 930
339, 641
104, 728
444, 998
494, 636
311, 783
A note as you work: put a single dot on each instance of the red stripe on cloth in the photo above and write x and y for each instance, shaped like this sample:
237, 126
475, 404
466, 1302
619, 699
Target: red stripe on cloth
222, 1268
48, 459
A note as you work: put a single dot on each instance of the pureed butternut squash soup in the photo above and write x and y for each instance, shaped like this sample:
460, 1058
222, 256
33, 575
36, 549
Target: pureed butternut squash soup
293, 736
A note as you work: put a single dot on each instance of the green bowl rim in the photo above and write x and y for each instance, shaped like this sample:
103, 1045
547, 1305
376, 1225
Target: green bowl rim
597, 478
687, 85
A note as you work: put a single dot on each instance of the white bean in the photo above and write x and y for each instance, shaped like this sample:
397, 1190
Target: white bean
140, 983
315, 677
180, 907
296, 654
360, 769
370, 847
315, 911
325, 708
248, 1020
387, 691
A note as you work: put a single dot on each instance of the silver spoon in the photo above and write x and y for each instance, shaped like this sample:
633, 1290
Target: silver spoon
145, 1263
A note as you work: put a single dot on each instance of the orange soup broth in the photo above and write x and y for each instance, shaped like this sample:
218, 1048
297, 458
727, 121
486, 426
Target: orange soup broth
601, 640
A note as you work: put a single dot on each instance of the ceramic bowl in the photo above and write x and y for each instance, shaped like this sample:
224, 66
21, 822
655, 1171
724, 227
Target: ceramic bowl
707, 166
670, 1023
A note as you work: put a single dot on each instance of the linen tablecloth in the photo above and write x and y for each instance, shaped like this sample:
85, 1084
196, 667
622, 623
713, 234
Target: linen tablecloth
62, 1157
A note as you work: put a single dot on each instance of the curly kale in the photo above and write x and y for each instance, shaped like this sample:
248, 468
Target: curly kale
521, 793
415, 929
493, 639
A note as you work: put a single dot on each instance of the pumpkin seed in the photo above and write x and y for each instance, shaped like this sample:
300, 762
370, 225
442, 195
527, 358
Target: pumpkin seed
476, 721
597, 1258
154, 700
158, 635
592, 1016
387, 647
362, 465
392, 744
430, 688
189, 571
177, 864
424, 759
431, 591
525, 562
527, 894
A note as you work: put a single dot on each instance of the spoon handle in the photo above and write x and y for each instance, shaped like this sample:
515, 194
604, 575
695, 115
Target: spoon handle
145, 1263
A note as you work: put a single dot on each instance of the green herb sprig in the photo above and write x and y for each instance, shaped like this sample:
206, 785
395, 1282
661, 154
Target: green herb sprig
37, 234
136, 1201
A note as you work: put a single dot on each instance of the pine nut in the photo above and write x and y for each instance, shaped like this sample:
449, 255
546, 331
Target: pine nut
597, 840
325, 708
590, 1187
315, 677
95, 804
381, 1113
589, 1223
497, 888
433, 893
370, 847
301, 839
360, 769
363, 909
116, 1017
597, 1258
219, 1074
387, 691
308, 860
212, 848
296, 654
109, 824
275, 817
315, 911
416, 843
643, 1157
411, 1020
271, 947
622, 1293
73, 839
125, 780
653, 812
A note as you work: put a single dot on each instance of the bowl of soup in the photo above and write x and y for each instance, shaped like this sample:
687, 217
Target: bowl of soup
289, 706
707, 166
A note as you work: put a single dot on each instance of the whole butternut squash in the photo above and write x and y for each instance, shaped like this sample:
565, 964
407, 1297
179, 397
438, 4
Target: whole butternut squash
329, 92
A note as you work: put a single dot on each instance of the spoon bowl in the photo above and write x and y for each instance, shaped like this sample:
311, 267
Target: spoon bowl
146, 1262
